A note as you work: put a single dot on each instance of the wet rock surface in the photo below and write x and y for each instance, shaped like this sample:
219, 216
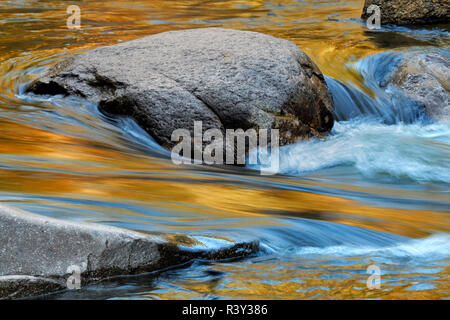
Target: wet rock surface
38, 254
410, 12
227, 79
16, 287
425, 79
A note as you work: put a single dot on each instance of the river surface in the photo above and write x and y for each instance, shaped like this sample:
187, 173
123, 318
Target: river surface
375, 192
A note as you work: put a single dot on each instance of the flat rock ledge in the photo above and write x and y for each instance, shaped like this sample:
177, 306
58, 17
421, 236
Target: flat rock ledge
228, 79
410, 12
38, 254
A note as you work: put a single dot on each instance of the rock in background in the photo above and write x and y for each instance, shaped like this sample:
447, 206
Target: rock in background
410, 12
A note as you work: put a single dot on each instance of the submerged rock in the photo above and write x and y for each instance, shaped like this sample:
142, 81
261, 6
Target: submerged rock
38, 254
425, 79
410, 12
227, 79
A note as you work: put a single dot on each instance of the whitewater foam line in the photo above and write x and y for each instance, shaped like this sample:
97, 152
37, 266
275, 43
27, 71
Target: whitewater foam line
317, 239
435, 247
415, 151
305, 238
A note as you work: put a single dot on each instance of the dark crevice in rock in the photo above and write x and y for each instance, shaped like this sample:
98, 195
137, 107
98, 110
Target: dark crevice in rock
120, 105
51, 88
105, 84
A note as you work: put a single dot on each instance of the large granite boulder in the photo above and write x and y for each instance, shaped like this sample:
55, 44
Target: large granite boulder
227, 79
410, 12
425, 79
39, 254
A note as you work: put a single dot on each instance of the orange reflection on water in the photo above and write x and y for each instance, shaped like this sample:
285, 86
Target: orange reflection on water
48, 159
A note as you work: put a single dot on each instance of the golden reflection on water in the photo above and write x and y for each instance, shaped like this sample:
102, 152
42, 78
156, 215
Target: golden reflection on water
91, 166
266, 281
36, 159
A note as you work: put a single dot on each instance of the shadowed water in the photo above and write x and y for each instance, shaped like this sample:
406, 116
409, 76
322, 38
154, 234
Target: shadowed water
376, 191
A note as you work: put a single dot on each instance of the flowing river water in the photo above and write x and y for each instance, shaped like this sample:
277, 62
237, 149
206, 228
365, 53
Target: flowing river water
375, 192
